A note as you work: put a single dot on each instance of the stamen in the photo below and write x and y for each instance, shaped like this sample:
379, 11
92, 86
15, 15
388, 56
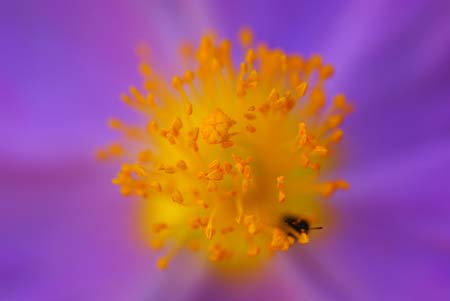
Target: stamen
227, 149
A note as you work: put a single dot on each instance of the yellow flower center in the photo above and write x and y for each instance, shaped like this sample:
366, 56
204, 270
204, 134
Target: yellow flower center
228, 162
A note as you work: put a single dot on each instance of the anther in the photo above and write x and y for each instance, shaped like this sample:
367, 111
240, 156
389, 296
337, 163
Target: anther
177, 197
245, 37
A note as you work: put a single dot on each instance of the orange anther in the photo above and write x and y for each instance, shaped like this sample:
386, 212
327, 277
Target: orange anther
177, 197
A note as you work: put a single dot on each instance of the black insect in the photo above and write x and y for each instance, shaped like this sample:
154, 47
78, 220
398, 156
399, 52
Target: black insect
299, 225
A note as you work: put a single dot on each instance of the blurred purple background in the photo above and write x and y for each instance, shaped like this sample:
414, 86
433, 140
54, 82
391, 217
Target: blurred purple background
66, 233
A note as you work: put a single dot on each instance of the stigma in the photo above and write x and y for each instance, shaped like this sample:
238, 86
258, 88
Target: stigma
228, 158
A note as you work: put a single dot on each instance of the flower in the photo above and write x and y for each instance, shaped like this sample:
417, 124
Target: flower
69, 235
233, 153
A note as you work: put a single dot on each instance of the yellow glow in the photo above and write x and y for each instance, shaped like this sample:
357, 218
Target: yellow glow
226, 152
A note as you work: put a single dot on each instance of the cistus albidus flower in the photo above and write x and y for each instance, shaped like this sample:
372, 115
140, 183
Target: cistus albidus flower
228, 163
